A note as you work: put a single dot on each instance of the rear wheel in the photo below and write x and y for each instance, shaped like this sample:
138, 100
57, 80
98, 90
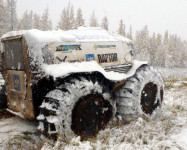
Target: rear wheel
90, 115
81, 106
142, 93
149, 100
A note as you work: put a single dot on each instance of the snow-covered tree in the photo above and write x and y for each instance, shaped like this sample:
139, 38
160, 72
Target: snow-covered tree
26, 21
67, 20
93, 20
63, 20
11, 15
165, 50
177, 51
152, 48
104, 23
2, 18
46, 23
169, 51
129, 34
31, 20
160, 58
8, 16
79, 18
36, 21
71, 19
184, 53
23, 21
142, 45
121, 29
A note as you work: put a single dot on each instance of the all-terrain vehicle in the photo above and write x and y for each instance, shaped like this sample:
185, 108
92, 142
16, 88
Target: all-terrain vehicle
77, 81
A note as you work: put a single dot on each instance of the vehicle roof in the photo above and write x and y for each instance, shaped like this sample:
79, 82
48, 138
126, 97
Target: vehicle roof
82, 34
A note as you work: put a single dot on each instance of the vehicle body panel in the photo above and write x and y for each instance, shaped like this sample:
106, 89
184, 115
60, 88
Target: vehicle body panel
21, 73
17, 76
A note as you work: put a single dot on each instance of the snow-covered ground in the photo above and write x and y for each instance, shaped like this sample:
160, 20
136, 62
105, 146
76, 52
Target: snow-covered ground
165, 130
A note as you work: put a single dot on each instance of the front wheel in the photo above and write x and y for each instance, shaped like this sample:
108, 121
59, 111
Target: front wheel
142, 93
81, 106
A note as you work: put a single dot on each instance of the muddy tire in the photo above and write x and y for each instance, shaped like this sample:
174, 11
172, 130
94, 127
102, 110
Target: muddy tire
81, 106
141, 94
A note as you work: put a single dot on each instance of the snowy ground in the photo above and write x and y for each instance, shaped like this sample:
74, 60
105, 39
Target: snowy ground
166, 130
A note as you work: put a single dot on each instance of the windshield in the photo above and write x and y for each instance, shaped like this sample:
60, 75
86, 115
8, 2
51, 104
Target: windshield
14, 54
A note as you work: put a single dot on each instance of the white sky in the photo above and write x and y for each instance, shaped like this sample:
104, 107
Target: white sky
158, 15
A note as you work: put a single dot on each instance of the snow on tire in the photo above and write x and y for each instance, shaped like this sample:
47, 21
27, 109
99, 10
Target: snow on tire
142, 93
85, 107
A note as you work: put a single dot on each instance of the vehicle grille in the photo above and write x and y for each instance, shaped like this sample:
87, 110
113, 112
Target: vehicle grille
122, 68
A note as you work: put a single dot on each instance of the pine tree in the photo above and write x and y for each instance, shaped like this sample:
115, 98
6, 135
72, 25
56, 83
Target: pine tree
176, 52
159, 53
79, 18
2, 18
36, 21
67, 20
129, 34
46, 23
165, 50
184, 48
23, 24
166, 38
142, 45
93, 20
11, 16
169, 51
63, 20
153, 49
71, 19
104, 23
121, 29
30, 20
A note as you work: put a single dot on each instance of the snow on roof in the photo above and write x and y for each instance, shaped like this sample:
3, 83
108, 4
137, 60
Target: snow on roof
80, 34
42, 36
95, 34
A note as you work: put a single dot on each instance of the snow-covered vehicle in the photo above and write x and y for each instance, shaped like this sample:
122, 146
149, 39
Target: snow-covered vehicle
77, 81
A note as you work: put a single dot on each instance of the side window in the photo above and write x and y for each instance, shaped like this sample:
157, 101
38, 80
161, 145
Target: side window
14, 54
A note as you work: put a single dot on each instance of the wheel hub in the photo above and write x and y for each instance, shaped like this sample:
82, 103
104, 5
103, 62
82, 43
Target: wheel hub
91, 114
149, 100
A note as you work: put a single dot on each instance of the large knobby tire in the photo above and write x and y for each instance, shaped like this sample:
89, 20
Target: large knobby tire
141, 94
80, 106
